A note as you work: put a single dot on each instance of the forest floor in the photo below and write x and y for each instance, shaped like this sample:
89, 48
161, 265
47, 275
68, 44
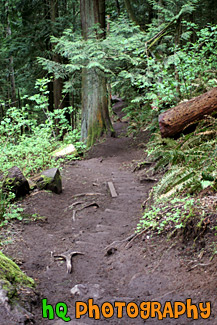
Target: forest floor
146, 269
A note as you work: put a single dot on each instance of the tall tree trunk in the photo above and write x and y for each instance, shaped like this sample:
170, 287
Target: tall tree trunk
131, 12
59, 101
118, 7
95, 115
212, 15
11, 60
150, 13
47, 17
58, 82
177, 43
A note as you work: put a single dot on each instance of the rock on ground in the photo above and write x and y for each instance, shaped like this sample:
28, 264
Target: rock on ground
50, 180
15, 182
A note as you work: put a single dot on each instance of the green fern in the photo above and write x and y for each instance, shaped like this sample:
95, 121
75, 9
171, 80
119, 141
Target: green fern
189, 163
176, 180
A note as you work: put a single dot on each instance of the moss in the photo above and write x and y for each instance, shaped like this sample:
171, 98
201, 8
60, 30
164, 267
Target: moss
47, 180
11, 274
9, 181
95, 131
44, 181
50, 181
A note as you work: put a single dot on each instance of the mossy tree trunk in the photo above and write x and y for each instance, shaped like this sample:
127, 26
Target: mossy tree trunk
95, 115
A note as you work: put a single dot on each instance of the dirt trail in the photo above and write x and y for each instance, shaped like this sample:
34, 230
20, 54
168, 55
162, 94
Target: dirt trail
147, 271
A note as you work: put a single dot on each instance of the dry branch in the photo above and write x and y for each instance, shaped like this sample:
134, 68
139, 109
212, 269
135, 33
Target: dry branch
120, 241
84, 207
68, 258
86, 194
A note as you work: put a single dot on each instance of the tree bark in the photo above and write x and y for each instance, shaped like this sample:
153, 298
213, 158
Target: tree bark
59, 101
173, 121
11, 61
131, 12
95, 115
58, 82
118, 7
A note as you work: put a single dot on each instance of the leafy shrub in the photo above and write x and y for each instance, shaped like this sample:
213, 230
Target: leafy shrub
8, 210
29, 145
168, 214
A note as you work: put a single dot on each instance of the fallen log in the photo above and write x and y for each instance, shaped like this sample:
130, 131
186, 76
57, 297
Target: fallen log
174, 120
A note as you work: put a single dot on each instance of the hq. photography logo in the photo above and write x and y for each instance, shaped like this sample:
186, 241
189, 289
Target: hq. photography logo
145, 310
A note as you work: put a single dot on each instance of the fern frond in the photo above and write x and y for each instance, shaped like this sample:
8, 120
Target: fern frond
173, 179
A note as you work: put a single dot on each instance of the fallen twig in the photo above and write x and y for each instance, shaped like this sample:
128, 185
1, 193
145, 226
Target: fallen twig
86, 194
112, 190
119, 241
68, 258
73, 215
137, 235
140, 165
74, 204
83, 207
146, 201
194, 267
148, 179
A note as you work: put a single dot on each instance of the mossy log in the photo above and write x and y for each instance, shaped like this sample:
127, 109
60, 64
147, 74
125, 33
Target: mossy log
175, 120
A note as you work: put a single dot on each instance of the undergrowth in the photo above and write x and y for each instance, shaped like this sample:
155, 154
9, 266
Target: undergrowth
168, 215
189, 163
189, 166
29, 145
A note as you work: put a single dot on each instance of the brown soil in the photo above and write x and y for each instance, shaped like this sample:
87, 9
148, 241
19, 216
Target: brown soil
147, 270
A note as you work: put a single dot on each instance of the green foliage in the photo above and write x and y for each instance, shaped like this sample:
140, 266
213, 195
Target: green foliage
189, 166
8, 211
28, 145
28, 151
184, 216
151, 71
189, 162
74, 137
31, 28
166, 214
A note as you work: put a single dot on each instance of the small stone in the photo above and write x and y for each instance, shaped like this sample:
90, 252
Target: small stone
87, 291
50, 180
78, 289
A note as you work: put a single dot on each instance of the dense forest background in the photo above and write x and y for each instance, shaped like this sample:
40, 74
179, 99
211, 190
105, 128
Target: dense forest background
155, 52
62, 62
